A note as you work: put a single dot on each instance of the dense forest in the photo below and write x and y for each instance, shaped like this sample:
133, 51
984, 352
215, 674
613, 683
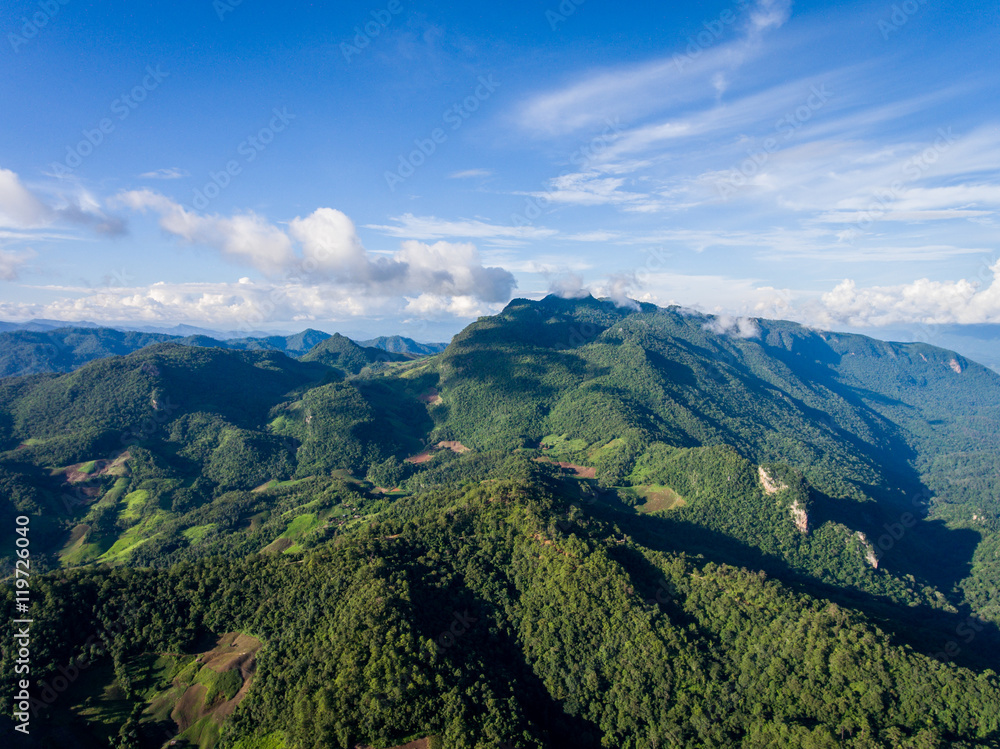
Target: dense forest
578, 525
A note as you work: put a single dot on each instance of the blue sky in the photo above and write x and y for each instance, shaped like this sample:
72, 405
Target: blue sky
404, 167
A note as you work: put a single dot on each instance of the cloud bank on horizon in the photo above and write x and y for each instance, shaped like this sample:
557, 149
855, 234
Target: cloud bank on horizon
837, 165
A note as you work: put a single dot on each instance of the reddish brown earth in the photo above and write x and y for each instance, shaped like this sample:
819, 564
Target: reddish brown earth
418, 744
455, 447
233, 652
74, 475
431, 397
583, 472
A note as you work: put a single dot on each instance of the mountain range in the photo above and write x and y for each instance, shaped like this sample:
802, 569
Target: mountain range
579, 524
62, 349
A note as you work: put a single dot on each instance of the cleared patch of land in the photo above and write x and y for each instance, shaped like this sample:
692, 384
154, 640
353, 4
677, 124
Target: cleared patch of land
184, 698
431, 397
658, 498
429, 742
583, 472
453, 445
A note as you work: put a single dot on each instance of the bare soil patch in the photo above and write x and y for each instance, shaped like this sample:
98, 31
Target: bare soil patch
431, 397
583, 472
423, 457
73, 475
418, 744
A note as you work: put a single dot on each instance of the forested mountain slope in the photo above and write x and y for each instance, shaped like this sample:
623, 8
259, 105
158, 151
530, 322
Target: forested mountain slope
632, 526
25, 352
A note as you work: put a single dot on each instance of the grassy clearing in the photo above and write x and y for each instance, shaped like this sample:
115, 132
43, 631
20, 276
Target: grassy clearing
184, 698
116, 492
134, 502
301, 525
77, 550
138, 534
657, 498
195, 534
274, 740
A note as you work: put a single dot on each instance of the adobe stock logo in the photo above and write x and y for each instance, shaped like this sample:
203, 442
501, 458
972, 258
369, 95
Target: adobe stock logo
363, 35
123, 106
455, 116
47, 10
250, 148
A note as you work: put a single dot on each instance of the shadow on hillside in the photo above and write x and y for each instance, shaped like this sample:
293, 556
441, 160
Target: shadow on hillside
476, 644
905, 540
952, 637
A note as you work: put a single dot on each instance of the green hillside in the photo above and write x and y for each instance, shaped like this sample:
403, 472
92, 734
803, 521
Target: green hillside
578, 525
24, 352
348, 357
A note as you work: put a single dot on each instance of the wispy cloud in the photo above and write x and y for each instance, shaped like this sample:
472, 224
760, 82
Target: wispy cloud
22, 208
11, 263
470, 173
169, 173
431, 227
639, 90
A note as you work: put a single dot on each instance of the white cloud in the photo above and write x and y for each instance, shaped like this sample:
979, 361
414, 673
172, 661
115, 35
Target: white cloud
467, 173
717, 294
430, 306
409, 226
923, 301
619, 288
24, 209
590, 188
768, 14
19, 207
740, 327
330, 252
170, 173
330, 244
243, 238
243, 305
639, 90
11, 262
568, 286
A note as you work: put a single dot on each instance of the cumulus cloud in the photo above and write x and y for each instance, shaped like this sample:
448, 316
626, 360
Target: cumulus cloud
243, 238
19, 207
83, 208
619, 288
923, 301
740, 327
453, 269
243, 305
324, 248
432, 306
568, 286
330, 245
